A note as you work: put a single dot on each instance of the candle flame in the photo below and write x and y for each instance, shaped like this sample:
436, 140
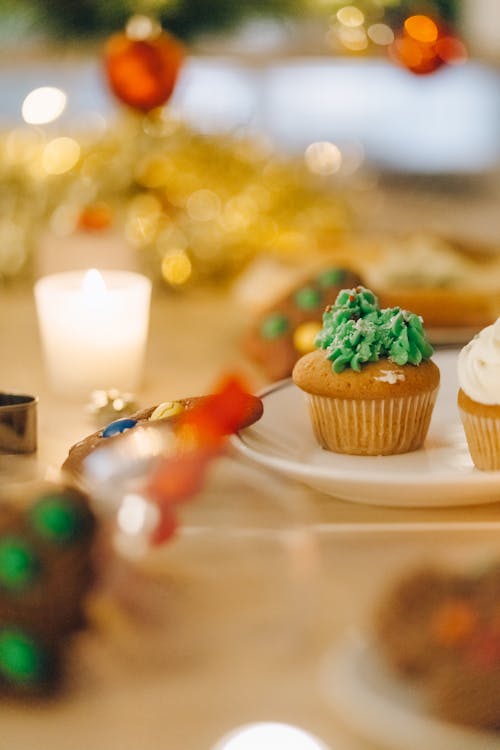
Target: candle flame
93, 284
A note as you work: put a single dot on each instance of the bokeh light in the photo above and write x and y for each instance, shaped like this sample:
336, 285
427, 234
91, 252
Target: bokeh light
141, 27
134, 514
423, 46
143, 219
43, 105
203, 205
323, 157
95, 216
239, 212
270, 736
64, 219
452, 50
176, 267
353, 156
13, 251
381, 33
136, 520
421, 29
22, 145
351, 16
60, 155
154, 171
353, 39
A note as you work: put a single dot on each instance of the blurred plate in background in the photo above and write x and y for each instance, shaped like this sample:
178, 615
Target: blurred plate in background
380, 708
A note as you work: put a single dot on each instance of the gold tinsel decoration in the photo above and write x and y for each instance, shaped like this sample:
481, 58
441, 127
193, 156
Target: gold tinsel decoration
195, 207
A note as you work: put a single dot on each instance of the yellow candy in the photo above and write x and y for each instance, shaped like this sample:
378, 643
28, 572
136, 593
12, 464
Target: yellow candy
167, 409
304, 336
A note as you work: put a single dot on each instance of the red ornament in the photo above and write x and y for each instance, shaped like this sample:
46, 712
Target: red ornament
418, 57
143, 72
423, 46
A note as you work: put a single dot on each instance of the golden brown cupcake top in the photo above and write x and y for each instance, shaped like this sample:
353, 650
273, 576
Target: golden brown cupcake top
491, 411
376, 380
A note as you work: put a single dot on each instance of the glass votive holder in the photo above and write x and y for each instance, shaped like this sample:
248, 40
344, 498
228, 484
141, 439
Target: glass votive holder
18, 423
93, 327
237, 578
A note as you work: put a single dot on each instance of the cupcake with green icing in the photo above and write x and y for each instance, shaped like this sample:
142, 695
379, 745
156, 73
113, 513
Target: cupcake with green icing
370, 384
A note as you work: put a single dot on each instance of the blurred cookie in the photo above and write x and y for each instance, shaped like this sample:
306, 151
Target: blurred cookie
442, 630
45, 572
169, 411
287, 329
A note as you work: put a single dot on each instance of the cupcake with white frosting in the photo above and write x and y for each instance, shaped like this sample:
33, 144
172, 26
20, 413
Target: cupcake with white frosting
479, 396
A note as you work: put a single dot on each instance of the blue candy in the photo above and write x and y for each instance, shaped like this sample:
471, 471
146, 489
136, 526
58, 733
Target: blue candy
119, 425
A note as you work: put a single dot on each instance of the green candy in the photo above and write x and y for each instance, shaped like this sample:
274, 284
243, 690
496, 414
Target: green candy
307, 298
21, 659
355, 331
18, 564
274, 326
331, 277
56, 519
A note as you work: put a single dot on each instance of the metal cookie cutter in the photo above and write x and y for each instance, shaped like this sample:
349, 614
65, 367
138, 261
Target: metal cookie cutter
18, 427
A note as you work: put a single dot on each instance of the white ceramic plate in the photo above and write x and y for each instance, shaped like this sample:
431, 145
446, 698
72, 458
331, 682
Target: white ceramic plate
441, 474
381, 709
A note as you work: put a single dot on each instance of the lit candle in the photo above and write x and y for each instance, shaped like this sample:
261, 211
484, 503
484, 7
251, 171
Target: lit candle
93, 328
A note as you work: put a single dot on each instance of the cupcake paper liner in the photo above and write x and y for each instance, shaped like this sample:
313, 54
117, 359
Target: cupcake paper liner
483, 438
372, 427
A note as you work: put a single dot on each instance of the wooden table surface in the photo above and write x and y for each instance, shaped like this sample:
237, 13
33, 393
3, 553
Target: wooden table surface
231, 623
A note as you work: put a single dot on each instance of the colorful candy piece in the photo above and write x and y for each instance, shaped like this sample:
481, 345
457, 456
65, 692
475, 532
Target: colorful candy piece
250, 412
21, 657
332, 277
167, 409
19, 564
200, 433
305, 335
307, 298
274, 326
453, 622
279, 336
118, 426
56, 519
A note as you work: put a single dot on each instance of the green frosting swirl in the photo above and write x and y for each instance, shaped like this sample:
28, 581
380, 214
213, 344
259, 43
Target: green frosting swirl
355, 331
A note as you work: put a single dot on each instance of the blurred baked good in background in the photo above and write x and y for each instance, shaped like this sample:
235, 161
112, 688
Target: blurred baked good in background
449, 283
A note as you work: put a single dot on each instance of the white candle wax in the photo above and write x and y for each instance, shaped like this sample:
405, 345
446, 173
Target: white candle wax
93, 328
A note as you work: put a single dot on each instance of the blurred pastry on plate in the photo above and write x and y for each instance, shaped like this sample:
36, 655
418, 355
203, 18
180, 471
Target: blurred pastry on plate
440, 630
447, 283
286, 329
